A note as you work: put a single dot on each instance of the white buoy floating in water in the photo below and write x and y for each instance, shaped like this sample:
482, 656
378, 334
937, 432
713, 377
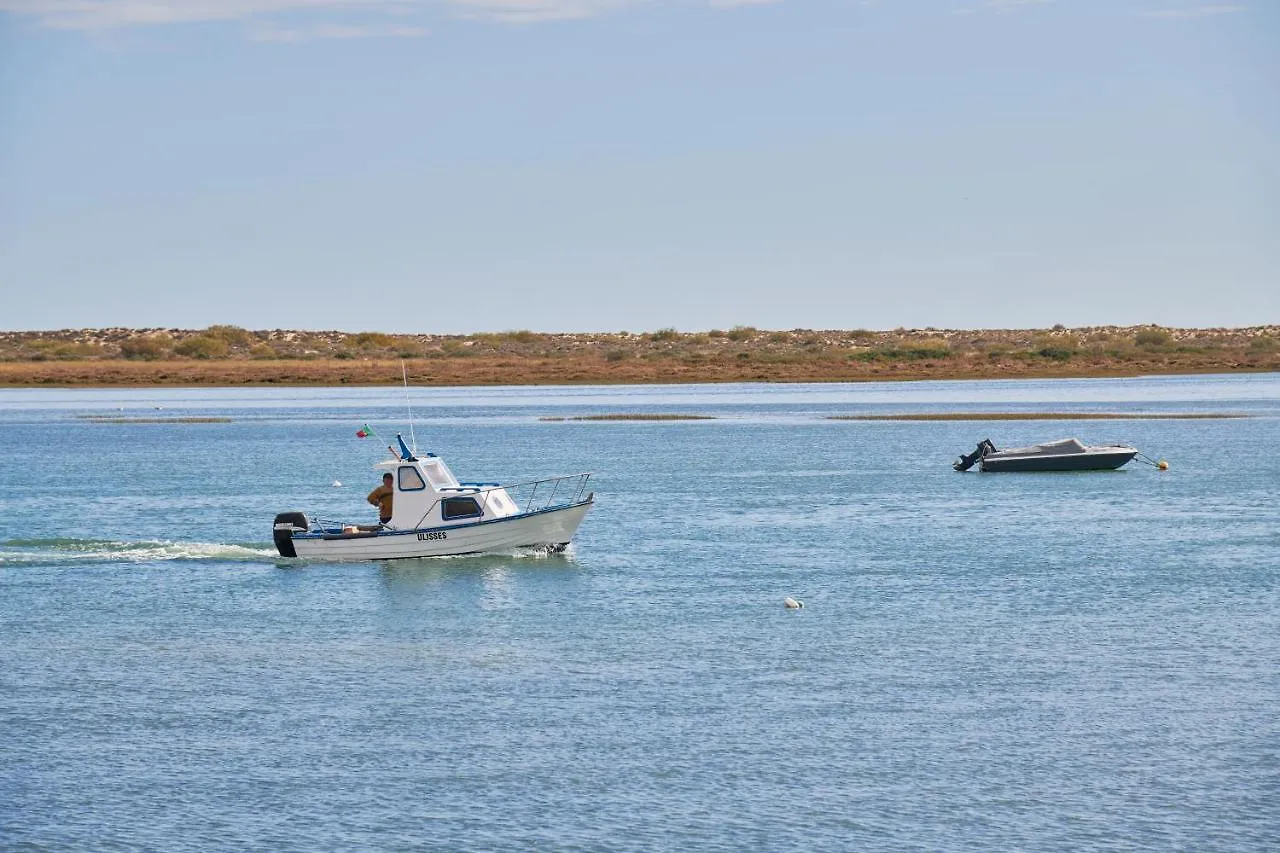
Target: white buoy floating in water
792, 604
337, 484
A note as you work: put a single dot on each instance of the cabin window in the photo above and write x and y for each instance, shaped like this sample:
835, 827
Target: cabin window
438, 477
411, 480
451, 508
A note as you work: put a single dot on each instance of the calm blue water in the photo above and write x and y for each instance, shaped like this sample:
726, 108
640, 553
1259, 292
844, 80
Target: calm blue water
985, 662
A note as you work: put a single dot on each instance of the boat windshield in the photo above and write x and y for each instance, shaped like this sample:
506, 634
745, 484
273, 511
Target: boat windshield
438, 474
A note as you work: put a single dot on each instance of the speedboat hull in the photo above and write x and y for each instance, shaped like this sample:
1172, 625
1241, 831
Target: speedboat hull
1095, 459
551, 528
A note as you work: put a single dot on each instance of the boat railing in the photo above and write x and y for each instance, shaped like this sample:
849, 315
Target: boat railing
569, 490
548, 493
320, 524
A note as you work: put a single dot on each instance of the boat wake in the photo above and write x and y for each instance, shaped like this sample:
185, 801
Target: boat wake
54, 552
525, 552
32, 552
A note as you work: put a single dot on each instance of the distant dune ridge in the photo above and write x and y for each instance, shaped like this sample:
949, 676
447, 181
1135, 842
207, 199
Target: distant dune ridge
229, 355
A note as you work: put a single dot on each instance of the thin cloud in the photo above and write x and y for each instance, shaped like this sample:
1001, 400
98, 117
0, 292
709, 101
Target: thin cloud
111, 14
1206, 11
1013, 4
266, 32
99, 15
733, 4
999, 6
533, 11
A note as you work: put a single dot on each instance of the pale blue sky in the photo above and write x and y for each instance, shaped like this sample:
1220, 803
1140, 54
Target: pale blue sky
467, 165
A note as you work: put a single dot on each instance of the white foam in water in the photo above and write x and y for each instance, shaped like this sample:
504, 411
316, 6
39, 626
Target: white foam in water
30, 551
54, 551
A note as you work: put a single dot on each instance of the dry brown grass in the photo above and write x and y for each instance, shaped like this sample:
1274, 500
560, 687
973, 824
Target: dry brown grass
587, 369
104, 419
637, 416
227, 356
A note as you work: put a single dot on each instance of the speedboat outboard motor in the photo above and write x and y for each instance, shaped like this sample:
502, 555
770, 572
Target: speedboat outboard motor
286, 524
964, 463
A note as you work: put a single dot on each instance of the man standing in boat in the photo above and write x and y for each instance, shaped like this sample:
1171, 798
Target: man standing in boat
381, 498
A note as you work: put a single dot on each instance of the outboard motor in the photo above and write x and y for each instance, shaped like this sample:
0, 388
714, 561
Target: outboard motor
964, 463
286, 524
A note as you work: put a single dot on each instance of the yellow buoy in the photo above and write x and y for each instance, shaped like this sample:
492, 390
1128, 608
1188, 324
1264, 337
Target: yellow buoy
1162, 465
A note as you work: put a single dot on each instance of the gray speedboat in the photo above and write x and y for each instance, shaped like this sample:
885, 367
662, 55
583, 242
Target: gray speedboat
1069, 454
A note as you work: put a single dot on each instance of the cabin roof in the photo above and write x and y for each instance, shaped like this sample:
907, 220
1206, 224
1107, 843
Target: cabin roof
392, 464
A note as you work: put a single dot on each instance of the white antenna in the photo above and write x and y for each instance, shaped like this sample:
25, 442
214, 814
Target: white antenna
413, 442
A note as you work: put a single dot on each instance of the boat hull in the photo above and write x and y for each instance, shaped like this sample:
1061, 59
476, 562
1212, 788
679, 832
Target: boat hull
1107, 460
552, 528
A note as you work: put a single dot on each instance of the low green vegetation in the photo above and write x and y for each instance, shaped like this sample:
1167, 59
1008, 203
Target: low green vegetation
1264, 343
919, 351
203, 346
1153, 338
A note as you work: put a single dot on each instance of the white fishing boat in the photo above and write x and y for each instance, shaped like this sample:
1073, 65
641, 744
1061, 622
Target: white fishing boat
435, 515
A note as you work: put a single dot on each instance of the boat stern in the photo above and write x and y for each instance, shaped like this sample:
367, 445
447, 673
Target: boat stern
286, 524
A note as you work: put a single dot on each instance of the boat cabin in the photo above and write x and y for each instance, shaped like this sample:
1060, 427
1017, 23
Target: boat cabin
427, 494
